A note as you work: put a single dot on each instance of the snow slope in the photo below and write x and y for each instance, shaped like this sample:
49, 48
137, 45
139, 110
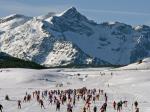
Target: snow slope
12, 21
145, 65
127, 85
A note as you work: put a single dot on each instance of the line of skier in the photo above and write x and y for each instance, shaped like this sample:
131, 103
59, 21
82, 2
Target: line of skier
70, 97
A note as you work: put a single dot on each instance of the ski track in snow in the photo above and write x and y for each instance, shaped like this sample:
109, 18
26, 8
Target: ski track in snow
127, 85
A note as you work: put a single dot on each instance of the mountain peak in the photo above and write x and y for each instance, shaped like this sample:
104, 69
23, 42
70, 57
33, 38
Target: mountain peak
70, 10
72, 13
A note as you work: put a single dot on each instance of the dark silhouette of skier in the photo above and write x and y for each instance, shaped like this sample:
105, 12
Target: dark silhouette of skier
84, 109
57, 105
95, 109
1, 107
136, 104
137, 110
7, 98
114, 105
19, 104
41, 104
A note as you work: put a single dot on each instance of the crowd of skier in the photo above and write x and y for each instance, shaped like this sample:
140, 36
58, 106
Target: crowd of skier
70, 99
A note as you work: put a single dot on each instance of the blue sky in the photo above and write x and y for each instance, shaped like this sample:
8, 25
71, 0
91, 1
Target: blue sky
128, 11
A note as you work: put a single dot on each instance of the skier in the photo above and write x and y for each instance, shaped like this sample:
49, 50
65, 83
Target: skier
94, 99
114, 105
1, 107
69, 108
28, 97
106, 98
97, 96
105, 106
137, 110
41, 103
43, 96
95, 109
19, 104
78, 97
58, 105
121, 103
136, 104
88, 105
7, 98
102, 109
111, 74
74, 102
118, 107
84, 109
50, 101
38, 98
140, 61
125, 103
24, 99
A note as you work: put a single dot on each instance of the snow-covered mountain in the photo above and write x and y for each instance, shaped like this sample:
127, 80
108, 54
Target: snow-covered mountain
70, 38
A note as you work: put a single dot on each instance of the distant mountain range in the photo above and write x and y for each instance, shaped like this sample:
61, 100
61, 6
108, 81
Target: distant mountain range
70, 38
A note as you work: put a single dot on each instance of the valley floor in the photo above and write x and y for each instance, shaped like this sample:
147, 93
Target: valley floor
119, 84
